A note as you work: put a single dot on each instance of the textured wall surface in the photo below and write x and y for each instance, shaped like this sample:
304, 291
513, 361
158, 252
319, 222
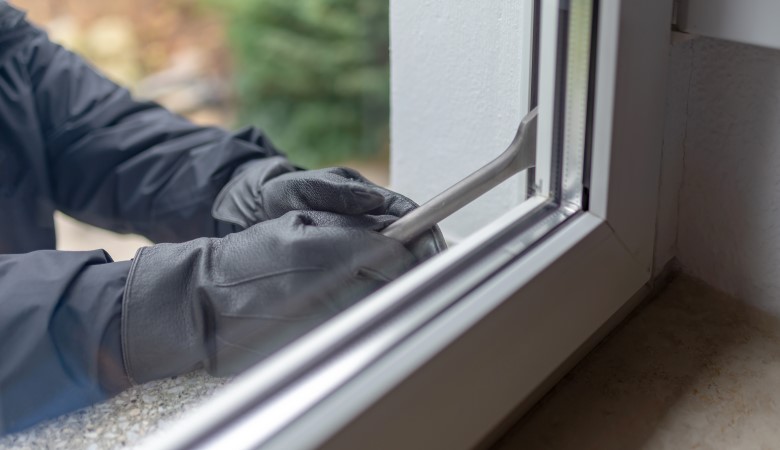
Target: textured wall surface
459, 91
729, 222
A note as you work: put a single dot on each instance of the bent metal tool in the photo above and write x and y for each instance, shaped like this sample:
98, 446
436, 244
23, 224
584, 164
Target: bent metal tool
520, 155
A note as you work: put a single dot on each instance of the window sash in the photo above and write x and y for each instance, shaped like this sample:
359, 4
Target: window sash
503, 327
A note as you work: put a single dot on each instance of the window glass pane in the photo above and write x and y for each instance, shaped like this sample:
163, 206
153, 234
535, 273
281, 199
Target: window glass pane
458, 99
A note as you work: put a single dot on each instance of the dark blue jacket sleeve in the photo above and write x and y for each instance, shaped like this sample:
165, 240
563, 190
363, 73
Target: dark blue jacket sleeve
108, 160
118, 163
60, 344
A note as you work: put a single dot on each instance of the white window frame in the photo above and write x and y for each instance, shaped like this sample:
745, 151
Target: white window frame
457, 378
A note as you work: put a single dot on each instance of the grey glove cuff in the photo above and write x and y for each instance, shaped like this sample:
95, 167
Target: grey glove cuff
162, 336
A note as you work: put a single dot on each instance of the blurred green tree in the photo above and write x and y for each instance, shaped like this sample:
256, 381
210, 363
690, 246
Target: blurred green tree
314, 74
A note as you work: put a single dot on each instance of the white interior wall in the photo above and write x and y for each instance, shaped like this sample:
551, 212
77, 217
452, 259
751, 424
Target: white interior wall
723, 135
729, 230
459, 90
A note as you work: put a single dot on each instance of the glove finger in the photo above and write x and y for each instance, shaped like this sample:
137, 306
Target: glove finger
320, 193
361, 250
427, 244
329, 219
423, 247
393, 203
348, 173
353, 262
381, 260
237, 202
243, 342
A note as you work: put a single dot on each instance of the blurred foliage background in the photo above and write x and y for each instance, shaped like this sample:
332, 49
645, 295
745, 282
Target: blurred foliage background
313, 74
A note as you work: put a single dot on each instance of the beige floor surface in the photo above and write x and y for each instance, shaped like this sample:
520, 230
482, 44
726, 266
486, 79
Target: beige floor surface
692, 369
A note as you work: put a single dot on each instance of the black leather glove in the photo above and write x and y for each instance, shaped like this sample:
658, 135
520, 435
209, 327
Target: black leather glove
225, 303
271, 187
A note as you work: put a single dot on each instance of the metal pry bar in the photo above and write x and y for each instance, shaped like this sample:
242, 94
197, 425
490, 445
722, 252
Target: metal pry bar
520, 155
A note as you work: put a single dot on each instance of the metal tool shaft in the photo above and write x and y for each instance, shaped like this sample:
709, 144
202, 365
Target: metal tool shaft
520, 155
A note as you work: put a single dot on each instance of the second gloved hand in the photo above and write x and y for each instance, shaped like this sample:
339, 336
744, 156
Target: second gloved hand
269, 188
226, 303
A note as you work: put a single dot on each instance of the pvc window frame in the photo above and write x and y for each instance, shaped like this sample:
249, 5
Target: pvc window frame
452, 378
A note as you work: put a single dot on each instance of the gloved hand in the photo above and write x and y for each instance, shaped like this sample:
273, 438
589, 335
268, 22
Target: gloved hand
225, 303
271, 187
